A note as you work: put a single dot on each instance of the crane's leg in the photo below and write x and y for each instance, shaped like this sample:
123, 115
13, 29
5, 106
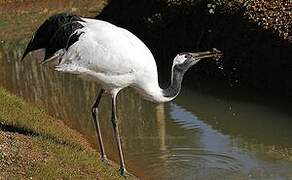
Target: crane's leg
94, 113
117, 136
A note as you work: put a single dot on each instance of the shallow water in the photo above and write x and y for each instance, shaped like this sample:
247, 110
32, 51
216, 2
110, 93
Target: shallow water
197, 136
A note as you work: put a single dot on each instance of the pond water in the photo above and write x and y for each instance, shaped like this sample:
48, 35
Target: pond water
196, 136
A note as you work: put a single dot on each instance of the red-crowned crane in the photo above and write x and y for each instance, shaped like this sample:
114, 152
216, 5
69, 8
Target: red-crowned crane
113, 57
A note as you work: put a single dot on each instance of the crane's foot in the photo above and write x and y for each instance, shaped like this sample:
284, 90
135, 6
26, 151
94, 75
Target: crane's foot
105, 160
123, 171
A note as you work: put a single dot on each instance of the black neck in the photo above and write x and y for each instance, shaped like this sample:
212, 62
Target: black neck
176, 79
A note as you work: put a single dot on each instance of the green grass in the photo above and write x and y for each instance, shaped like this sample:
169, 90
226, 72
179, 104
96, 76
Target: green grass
55, 151
3, 23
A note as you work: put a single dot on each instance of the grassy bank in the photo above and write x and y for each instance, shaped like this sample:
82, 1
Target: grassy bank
34, 145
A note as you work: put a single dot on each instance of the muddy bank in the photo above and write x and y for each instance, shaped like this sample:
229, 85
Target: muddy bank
256, 57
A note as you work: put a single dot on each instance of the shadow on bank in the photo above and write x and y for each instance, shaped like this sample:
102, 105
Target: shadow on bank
254, 58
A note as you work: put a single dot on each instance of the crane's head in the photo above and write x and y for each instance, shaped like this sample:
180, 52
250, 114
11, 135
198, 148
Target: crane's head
183, 61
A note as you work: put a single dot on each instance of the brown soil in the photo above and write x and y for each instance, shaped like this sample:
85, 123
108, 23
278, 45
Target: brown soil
16, 155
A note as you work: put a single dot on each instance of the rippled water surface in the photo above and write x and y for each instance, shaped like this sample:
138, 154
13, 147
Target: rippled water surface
197, 136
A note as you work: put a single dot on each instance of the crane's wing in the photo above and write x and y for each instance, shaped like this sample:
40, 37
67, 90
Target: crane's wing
104, 48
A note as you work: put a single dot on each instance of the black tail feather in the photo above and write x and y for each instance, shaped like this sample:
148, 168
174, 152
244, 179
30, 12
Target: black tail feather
47, 36
64, 35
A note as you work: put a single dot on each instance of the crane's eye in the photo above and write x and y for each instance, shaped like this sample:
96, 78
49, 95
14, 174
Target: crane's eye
188, 56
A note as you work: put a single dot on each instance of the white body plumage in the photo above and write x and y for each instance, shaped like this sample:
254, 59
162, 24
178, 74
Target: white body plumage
113, 57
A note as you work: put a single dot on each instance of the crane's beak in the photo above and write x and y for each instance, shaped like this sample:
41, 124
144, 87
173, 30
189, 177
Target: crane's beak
214, 53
